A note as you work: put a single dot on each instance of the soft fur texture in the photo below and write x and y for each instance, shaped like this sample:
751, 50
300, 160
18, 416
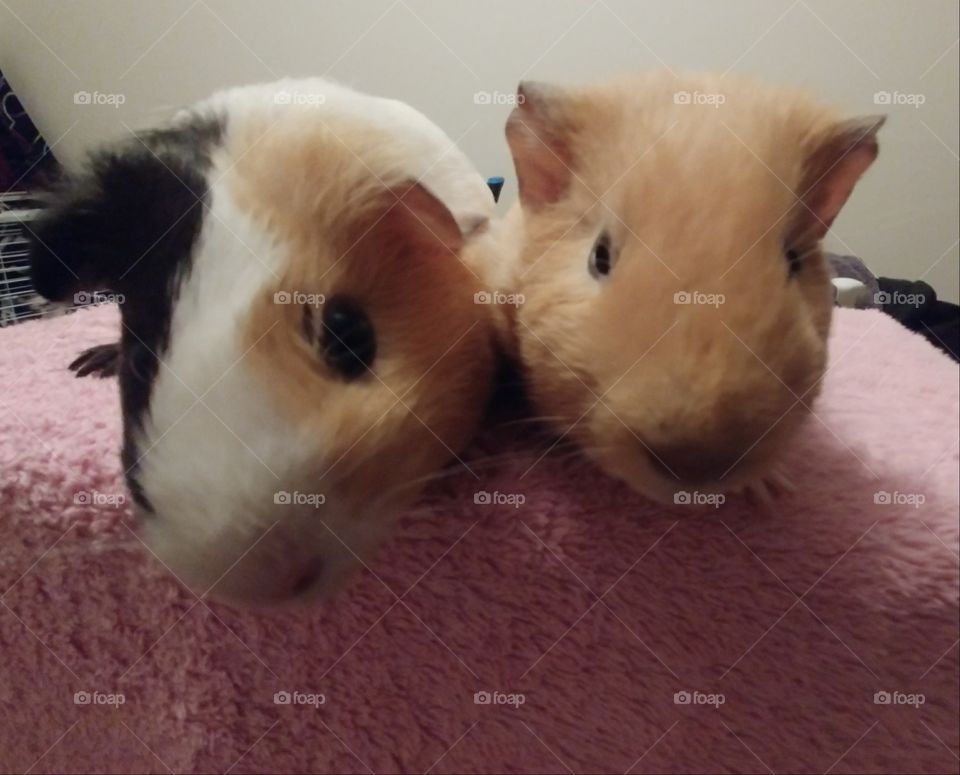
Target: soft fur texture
227, 256
503, 599
721, 204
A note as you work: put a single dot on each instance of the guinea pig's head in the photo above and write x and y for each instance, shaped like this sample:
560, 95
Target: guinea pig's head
300, 349
677, 302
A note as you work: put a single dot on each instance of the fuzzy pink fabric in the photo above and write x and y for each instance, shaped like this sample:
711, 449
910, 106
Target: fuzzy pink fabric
594, 604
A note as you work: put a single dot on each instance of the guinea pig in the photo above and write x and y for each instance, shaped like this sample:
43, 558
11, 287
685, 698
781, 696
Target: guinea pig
676, 302
300, 348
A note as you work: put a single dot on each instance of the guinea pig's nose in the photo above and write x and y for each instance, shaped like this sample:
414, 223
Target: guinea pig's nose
307, 577
693, 463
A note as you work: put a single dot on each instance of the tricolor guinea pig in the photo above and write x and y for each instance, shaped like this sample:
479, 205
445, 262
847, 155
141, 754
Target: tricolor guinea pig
676, 299
300, 348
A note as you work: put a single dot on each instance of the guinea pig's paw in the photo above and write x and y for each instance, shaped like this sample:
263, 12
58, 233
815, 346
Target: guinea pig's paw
102, 360
780, 481
768, 488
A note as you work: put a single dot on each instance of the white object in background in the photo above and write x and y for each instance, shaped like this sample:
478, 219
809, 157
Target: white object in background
848, 292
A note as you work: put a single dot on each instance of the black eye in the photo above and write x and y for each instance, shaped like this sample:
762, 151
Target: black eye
794, 261
601, 259
345, 336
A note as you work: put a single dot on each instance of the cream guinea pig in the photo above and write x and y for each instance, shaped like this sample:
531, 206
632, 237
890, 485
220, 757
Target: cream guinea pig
676, 303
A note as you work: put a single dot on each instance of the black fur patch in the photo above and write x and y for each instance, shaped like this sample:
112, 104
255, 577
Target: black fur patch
129, 224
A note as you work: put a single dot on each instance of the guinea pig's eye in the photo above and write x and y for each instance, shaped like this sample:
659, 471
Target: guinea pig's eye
794, 260
601, 257
345, 337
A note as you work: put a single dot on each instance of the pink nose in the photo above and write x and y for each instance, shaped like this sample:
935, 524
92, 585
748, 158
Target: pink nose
255, 582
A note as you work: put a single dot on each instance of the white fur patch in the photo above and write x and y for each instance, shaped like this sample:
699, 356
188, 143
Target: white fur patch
429, 157
215, 451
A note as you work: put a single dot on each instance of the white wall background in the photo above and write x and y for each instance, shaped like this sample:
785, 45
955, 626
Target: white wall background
437, 55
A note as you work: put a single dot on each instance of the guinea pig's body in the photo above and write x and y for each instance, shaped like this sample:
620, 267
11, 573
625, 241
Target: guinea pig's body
677, 303
300, 348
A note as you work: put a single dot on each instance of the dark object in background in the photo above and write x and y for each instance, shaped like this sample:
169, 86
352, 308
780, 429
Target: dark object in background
854, 268
915, 305
496, 186
26, 165
26, 162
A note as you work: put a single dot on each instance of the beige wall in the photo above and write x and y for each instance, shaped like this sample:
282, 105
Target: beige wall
438, 55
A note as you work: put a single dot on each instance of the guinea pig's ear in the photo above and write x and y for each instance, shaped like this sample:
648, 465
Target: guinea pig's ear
538, 134
415, 216
104, 229
833, 169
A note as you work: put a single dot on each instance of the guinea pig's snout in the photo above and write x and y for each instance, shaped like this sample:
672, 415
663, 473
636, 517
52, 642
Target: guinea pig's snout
694, 463
307, 577
282, 564
273, 580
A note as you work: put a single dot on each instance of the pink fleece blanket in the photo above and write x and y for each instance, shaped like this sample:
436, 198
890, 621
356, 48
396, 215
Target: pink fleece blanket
608, 634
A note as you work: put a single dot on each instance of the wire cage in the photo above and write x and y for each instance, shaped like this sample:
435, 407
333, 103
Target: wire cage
18, 300
26, 164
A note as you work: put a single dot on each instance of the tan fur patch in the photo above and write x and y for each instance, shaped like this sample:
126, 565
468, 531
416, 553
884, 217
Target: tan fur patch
314, 189
696, 199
